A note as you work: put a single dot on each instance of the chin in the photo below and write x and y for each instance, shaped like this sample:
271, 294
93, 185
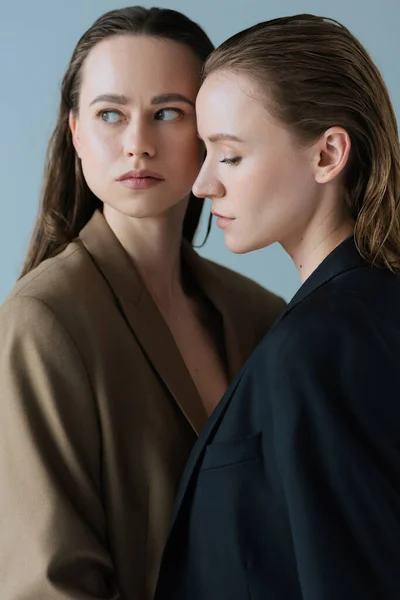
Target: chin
238, 246
144, 208
243, 245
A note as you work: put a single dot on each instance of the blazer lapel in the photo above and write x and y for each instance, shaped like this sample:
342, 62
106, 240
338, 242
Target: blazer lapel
239, 336
150, 329
143, 317
239, 342
344, 258
200, 446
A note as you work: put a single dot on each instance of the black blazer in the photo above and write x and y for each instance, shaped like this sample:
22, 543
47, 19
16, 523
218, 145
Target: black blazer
293, 489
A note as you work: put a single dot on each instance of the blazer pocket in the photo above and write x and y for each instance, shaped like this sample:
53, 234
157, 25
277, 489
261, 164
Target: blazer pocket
232, 452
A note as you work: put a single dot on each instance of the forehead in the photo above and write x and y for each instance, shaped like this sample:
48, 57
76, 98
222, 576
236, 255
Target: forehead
225, 97
138, 65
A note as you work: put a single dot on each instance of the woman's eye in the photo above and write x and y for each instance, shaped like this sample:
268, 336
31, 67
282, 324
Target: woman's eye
235, 160
168, 114
110, 116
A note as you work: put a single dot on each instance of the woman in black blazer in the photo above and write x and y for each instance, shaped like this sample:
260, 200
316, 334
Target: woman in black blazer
293, 489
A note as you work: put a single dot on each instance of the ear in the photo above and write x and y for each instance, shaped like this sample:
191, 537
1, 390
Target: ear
333, 149
73, 122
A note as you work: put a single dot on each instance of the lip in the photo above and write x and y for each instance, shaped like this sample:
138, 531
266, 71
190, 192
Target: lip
140, 174
222, 221
140, 179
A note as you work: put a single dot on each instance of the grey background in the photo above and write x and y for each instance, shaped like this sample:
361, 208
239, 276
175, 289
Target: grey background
36, 41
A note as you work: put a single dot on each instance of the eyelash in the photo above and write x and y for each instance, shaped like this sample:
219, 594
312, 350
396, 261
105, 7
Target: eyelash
176, 110
104, 111
100, 113
235, 160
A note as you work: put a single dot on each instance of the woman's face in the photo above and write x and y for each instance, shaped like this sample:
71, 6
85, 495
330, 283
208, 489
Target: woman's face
260, 179
135, 131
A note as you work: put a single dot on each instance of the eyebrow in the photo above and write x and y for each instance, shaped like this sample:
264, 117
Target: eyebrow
164, 98
114, 98
160, 99
223, 137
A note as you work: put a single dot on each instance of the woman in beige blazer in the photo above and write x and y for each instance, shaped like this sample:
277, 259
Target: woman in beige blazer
118, 340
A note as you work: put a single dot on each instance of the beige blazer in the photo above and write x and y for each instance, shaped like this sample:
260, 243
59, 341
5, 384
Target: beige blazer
98, 414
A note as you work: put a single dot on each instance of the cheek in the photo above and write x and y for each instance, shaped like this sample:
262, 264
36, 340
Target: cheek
195, 150
248, 180
298, 184
97, 145
270, 178
187, 154
98, 155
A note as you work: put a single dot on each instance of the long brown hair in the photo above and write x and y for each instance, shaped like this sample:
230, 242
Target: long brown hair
316, 75
67, 203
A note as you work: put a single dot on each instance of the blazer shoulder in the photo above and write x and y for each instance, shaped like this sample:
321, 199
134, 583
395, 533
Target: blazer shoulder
29, 324
64, 275
324, 325
352, 297
331, 353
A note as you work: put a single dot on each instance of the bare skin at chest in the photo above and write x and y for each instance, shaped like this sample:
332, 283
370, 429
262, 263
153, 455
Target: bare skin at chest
195, 331
155, 248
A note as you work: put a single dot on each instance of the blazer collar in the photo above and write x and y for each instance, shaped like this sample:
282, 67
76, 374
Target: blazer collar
149, 327
344, 257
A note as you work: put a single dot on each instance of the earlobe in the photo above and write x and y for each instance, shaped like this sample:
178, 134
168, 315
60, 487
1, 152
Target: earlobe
74, 128
334, 150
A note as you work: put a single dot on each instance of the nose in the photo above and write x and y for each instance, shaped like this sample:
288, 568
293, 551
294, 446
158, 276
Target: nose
139, 141
208, 185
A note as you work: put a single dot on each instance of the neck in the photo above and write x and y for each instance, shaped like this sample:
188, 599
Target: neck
154, 247
325, 231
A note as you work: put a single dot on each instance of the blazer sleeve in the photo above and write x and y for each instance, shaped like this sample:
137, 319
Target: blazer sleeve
52, 523
336, 424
